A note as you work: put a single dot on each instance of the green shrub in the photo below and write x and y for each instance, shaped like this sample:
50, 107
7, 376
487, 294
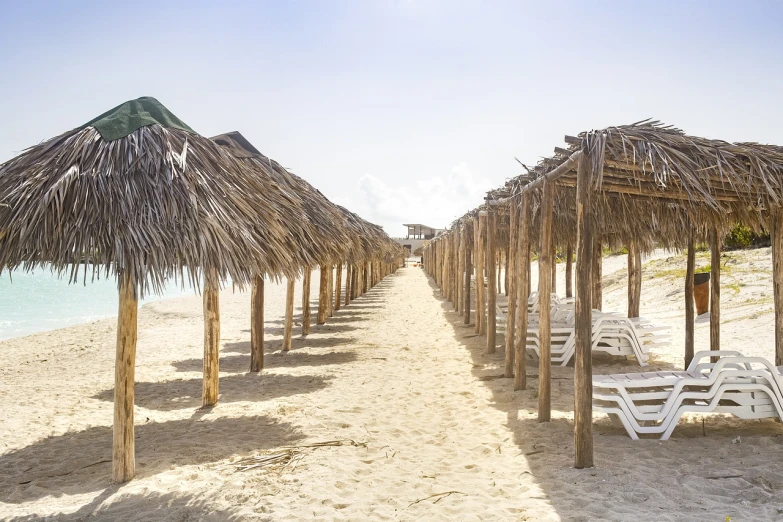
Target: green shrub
743, 237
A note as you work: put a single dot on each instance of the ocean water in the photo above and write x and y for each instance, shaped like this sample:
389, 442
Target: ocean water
38, 301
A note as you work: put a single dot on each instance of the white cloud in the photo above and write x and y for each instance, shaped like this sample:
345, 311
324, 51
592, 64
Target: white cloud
435, 201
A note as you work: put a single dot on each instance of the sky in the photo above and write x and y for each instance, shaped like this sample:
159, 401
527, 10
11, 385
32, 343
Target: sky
404, 111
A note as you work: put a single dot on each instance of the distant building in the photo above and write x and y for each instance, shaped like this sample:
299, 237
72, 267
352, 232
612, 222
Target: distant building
418, 236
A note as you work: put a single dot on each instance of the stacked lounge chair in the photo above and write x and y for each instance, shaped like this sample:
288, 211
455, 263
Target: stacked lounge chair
612, 333
653, 402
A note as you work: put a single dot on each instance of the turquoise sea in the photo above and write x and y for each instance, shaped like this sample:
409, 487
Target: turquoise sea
38, 301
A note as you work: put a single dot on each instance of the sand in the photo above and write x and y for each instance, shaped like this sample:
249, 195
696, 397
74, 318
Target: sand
398, 373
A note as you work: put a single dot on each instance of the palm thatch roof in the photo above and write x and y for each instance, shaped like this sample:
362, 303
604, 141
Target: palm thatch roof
652, 182
315, 224
149, 204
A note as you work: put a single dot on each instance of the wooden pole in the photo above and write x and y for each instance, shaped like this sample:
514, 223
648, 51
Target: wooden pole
482, 295
513, 231
634, 279
338, 286
569, 270
544, 291
715, 289
498, 264
553, 264
257, 324
288, 326
330, 292
777, 281
583, 364
306, 312
323, 295
466, 275
689, 316
348, 278
477, 265
507, 270
123, 443
597, 267
458, 276
522, 287
491, 288
209, 395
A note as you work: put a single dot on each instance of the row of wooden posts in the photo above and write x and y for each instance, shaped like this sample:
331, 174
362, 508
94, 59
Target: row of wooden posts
452, 259
332, 294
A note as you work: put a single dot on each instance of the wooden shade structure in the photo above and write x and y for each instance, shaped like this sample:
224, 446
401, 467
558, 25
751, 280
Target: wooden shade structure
139, 196
641, 185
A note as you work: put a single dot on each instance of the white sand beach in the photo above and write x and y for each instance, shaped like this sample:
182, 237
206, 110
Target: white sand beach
438, 434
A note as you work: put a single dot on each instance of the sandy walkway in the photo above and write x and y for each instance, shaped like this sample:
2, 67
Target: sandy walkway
396, 371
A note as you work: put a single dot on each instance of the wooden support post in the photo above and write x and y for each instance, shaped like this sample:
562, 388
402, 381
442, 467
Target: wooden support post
715, 247
458, 276
467, 272
583, 362
257, 324
544, 302
597, 274
476, 266
777, 281
209, 394
288, 326
366, 278
689, 315
569, 271
507, 270
123, 444
498, 264
338, 286
330, 292
480, 280
553, 263
522, 288
323, 294
634, 278
348, 277
491, 284
513, 231
306, 312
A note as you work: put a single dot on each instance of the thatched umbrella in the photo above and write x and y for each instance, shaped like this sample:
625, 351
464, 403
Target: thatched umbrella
136, 194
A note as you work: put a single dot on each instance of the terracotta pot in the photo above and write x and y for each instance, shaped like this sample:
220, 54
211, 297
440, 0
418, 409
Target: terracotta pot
701, 292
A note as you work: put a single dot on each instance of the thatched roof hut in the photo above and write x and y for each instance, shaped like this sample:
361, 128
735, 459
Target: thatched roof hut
137, 194
641, 185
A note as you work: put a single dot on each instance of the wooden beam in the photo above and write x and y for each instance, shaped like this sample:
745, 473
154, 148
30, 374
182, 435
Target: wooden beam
777, 281
544, 304
555, 173
123, 439
522, 289
715, 247
553, 264
491, 288
306, 312
690, 269
348, 279
583, 362
288, 326
257, 324
330, 291
511, 269
209, 394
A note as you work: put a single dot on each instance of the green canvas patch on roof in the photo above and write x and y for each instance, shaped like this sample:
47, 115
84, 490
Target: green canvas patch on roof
132, 115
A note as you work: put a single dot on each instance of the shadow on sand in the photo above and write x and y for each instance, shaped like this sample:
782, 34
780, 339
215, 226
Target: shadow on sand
39, 469
548, 447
